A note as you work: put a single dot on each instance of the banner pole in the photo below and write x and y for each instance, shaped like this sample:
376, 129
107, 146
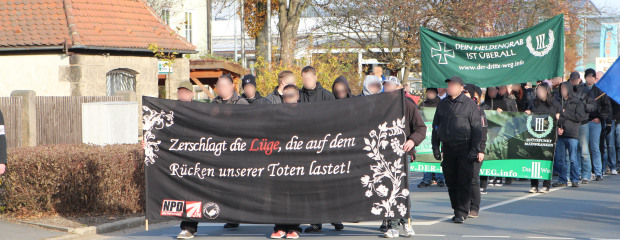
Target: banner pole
146, 224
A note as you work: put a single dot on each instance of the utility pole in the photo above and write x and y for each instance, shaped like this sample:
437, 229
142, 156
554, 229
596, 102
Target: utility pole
243, 63
209, 30
268, 31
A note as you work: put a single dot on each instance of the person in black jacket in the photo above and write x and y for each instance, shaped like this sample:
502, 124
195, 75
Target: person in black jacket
573, 112
596, 121
457, 128
478, 183
608, 135
522, 97
493, 100
584, 94
248, 84
341, 88
312, 90
3, 157
544, 104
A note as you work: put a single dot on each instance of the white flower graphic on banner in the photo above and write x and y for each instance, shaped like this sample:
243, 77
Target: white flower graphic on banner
154, 120
385, 171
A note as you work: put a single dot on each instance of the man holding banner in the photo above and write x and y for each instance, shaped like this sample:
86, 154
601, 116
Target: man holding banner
457, 130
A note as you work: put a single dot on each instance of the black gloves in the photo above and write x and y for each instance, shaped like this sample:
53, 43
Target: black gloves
437, 154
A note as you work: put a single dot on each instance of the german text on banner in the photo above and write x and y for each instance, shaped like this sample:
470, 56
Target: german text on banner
337, 161
518, 145
536, 53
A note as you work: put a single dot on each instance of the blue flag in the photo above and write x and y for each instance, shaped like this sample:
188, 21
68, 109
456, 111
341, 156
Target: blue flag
610, 82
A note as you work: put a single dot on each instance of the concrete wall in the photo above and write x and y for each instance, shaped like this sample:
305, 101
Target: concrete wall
41, 73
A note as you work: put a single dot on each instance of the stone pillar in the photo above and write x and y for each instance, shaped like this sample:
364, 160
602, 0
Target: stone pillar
28, 116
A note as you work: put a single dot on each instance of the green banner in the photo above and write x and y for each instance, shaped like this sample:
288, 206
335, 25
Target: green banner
536, 53
518, 145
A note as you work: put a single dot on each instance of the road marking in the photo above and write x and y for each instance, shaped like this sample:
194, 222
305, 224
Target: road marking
550, 238
429, 235
474, 236
449, 217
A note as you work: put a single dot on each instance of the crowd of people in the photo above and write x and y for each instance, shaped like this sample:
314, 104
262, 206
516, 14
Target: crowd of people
587, 144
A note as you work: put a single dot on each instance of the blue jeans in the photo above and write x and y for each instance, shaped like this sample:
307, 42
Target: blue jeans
595, 150
562, 145
428, 177
609, 155
584, 151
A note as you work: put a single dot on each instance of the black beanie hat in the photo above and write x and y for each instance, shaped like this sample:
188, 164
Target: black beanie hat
248, 79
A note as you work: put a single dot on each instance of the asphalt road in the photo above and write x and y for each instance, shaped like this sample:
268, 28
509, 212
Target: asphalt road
589, 212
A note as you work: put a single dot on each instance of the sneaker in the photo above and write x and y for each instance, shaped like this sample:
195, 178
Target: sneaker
441, 184
292, 235
614, 172
423, 185
408, 230
533, 190
185, 235
314, 228
498, 182
483, 190
338, 226
278, 234
584, 181
544, 190
473, 214
231, 225
559, 184
384, 226
576, 184
391, 233
458, 219
598, 178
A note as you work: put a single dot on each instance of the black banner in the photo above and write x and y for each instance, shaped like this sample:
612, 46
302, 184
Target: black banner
336, 161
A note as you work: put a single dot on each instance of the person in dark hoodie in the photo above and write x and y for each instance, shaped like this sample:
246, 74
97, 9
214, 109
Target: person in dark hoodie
248, 84
431, 100
416, 132
312, 90
596, 120
341, 88
572, 114
584, 94
544, 104
478, 184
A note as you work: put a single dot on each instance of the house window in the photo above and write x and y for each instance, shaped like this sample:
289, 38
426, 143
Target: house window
120, 80
165, 15
188, 26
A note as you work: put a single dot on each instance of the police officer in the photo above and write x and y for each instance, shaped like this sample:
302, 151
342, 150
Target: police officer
457, 129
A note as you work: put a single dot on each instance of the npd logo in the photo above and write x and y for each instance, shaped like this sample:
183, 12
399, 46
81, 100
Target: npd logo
172, 208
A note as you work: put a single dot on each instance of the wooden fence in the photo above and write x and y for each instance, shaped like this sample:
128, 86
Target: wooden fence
59, 119
11, 108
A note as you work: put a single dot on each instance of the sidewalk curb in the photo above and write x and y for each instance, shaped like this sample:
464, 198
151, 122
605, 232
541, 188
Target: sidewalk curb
92, 230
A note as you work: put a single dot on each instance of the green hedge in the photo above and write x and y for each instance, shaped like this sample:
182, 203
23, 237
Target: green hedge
76, 178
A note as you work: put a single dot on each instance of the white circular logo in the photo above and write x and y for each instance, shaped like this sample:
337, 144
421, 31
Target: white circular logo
211, 210
539, 130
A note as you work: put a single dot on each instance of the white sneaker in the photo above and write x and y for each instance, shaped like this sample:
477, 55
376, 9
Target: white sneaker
614, 172
533, 190
408, 230
185, 235
391, 233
